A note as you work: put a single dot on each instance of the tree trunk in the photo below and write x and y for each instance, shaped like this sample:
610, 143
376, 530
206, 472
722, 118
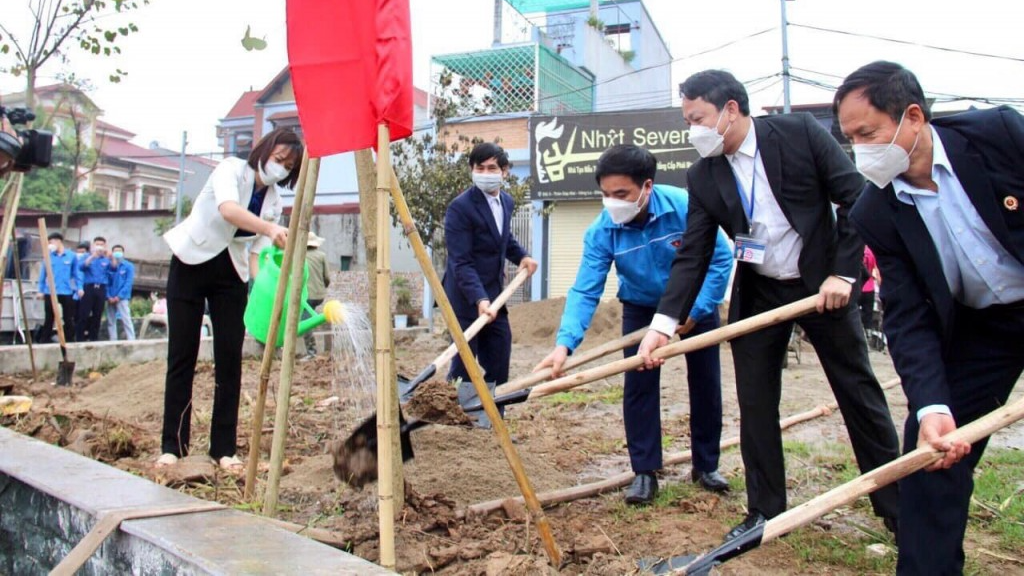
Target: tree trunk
367, 177
30, 88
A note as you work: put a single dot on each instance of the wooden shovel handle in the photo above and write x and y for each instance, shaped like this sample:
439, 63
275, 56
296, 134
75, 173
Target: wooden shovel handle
574, 361
716, 336
482, 321
58, 317
899, 468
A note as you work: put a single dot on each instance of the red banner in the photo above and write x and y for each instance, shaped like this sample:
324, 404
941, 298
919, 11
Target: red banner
351, 67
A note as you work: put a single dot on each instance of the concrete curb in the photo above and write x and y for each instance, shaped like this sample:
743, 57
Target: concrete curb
51, 498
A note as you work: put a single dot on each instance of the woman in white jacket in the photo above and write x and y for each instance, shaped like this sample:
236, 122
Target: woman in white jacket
240, 203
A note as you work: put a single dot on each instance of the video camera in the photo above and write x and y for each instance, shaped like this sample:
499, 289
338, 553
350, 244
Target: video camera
31, 147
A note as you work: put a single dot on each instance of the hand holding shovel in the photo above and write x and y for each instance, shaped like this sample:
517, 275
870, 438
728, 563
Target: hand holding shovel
815, 508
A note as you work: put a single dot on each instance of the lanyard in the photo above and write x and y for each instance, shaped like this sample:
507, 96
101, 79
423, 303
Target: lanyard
748, 205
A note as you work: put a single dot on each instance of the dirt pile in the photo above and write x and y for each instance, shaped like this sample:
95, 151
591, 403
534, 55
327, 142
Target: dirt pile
536, 323
437, 401
131, 392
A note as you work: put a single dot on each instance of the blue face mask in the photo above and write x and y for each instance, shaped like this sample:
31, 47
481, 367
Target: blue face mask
119, 255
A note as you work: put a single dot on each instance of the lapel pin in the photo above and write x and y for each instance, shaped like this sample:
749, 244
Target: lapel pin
1011, 203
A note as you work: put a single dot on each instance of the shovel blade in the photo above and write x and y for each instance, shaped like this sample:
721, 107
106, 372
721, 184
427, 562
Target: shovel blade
65, 373
659, 566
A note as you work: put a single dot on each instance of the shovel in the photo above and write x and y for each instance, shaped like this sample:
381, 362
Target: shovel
65, 368
355, 460
709, 338
840, 496
407, 387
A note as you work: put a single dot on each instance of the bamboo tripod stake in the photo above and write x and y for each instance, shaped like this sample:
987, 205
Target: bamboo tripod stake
275, 323
12, 191
291, 329
476, 376
387, 393
24, 315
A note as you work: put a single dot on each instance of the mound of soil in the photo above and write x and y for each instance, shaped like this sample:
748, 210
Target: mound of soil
131, 392
536, 323
438, 402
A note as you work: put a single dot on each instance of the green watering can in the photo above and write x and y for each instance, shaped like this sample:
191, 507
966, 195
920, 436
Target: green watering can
261, 300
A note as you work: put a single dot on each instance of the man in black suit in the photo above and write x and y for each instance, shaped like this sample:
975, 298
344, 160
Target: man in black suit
478, 237
943, 214
770, 183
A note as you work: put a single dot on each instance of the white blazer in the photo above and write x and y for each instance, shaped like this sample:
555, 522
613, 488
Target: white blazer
205, 233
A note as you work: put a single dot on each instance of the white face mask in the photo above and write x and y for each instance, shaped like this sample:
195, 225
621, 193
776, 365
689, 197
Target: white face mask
489, 183
53, 248
623, 211
272, 173
707, 141
882, 163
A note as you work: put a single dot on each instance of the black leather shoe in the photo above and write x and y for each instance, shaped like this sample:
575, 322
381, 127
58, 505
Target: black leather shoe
711, 481
749, 523
643, 489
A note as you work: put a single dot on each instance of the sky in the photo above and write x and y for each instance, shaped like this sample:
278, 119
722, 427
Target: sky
186, 65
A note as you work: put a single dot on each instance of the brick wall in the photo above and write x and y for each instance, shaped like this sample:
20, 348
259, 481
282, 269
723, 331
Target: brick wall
353, 287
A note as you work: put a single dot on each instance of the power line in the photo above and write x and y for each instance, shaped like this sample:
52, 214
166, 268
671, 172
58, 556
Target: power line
909, 43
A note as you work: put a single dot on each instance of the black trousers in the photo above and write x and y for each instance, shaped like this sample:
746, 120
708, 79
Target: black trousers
982, 365
641, 402
838, 339
492, 348
309, 338
67, 313
90, 312
866, 303
188, 289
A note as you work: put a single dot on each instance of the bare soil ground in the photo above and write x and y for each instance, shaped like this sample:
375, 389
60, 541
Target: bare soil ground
563, 441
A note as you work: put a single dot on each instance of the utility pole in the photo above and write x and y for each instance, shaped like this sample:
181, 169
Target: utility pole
497, 22
181, 179
785, 60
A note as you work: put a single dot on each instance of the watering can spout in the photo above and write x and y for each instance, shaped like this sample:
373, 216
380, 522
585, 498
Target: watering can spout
334, 313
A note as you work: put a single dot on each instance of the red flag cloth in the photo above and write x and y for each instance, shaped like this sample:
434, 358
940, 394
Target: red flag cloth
351, 67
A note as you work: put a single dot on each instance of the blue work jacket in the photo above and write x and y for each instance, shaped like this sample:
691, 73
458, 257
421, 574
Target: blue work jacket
95, 272
120, 280
65, 272
643, 257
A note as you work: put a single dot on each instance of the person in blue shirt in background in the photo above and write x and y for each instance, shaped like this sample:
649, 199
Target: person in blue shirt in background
639, 231
65, 270
119, 294
93, 292
81, 252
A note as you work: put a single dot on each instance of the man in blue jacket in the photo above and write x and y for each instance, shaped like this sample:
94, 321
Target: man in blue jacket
66, 281
93, 292
119, 294
639, 231
478, 237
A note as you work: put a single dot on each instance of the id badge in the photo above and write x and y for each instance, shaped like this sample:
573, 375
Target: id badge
750, 249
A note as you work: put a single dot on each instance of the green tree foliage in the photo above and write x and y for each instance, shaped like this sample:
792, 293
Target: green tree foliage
433, 168
54, 188
57, 27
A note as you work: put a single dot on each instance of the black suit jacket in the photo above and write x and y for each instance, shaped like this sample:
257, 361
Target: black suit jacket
476, 252
986, 150
808, 172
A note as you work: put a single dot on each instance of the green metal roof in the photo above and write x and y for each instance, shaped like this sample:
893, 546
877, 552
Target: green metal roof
535, 6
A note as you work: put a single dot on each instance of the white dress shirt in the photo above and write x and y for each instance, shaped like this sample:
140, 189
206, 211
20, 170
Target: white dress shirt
784, 244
